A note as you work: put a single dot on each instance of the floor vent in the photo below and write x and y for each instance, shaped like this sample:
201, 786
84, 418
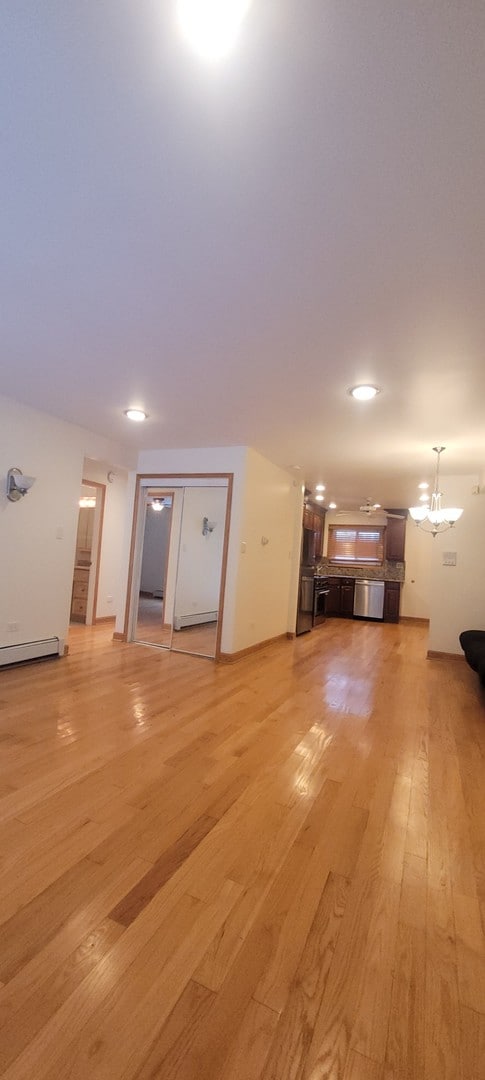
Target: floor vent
193, 620
30, 650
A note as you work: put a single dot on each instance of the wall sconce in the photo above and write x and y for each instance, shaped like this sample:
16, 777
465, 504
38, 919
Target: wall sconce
18, 484
208, 526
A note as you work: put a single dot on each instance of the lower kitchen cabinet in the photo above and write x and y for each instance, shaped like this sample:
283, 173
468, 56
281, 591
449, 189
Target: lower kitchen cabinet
392, 598
332, 604
347, 599
340, 599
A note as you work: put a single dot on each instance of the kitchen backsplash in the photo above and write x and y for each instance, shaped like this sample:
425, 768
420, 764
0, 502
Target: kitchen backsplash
389, 571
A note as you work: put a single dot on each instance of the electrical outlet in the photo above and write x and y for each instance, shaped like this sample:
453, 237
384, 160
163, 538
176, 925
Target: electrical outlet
109, 599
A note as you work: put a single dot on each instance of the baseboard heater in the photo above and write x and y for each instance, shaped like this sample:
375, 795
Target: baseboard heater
29, 650
180, 621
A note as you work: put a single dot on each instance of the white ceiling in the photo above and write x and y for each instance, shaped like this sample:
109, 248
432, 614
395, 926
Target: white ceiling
232, 246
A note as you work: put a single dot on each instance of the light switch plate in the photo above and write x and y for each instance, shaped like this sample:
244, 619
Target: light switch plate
449, 558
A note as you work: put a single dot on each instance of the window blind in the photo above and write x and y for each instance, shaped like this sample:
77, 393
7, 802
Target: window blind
355, 544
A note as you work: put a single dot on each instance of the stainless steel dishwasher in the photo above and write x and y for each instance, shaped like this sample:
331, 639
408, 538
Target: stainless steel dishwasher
368, 599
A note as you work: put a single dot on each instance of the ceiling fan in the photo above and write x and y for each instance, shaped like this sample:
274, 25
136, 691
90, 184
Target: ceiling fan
370, 508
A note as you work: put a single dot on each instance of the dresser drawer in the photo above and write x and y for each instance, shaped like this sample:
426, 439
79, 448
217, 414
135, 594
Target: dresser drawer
78, 607
80, 590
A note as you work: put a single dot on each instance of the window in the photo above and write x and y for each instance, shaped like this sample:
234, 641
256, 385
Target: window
355, 544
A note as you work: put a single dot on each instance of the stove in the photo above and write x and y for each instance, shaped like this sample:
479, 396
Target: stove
320, 593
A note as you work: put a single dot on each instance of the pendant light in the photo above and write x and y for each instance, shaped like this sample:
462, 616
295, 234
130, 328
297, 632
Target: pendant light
435, 518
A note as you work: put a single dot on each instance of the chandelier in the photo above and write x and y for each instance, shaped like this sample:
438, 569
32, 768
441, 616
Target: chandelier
435, 518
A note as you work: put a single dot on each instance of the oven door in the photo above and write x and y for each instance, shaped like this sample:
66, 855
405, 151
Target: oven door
319, 601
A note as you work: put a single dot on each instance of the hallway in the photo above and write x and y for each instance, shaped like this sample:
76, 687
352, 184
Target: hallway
272, 870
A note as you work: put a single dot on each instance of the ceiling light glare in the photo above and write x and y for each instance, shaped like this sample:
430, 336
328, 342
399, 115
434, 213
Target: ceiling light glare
332, 506
423, 486
211, 27
424, 498
318, 498
136, 414
364, 392
320, 487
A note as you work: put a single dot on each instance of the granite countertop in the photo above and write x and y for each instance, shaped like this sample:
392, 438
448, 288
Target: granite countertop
389, 571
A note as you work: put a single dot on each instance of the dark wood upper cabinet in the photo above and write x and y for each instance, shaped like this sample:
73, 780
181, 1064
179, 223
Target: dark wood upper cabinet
396, 535
318, 528
314, 519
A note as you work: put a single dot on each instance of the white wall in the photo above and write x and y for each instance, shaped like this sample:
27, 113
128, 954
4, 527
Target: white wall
112, 535
457, 598
200, 557
38, 533
266, 578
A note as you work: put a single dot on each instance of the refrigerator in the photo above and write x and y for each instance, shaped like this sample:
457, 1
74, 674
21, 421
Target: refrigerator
304, 615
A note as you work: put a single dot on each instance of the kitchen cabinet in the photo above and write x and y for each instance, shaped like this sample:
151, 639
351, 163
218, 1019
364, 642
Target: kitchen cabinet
347, 599
315, 520
392, 599
332, 606
340, 599
396, 535
318, 529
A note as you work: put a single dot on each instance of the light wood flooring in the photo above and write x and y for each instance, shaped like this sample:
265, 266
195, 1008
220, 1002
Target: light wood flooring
273, 870
199, 639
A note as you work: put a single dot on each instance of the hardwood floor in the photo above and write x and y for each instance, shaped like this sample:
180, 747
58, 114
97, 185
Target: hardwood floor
150, 629
273, 870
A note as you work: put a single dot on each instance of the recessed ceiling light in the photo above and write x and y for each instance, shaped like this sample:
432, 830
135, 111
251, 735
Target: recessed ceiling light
332, 506
318, 498
424, 498
135, 414
211, 26
320, 487
364, 392
423, 485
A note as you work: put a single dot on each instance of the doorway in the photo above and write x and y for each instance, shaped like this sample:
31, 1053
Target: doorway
88, 549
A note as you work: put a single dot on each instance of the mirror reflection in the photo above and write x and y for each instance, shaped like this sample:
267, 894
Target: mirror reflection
196, 605
153, 619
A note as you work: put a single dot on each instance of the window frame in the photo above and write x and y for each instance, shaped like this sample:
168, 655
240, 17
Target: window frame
356, 548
